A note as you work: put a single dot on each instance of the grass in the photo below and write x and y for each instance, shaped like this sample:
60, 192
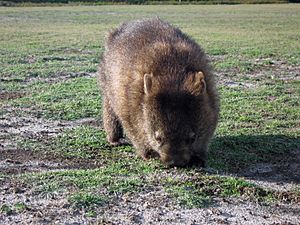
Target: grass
87, 201
202, 191
5, 209
116, 177
20, 207
17, 208
80, 141
125, 178
69, 100
243, 151
49, 57
2, 175
43, 42
256, 124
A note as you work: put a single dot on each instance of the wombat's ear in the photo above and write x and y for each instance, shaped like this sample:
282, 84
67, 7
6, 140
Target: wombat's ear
195, 83
148, 83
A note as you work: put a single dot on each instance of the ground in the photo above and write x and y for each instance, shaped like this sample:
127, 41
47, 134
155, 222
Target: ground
56, 166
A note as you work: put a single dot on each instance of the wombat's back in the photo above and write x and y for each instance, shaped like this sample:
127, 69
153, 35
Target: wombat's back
134, 35
150, 46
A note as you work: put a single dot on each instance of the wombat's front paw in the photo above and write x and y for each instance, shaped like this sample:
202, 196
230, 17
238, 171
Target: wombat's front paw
148, 154
197, 161
121, 141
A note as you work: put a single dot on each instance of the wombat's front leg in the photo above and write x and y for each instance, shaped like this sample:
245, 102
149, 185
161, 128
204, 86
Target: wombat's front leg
199, 154
112, 125
199, 158
146, 152
200, 150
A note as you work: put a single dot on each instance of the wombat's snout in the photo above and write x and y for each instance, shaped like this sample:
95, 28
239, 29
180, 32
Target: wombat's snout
175, 160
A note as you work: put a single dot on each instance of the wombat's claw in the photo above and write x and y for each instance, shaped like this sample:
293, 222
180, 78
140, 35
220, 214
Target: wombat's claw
121, 141
198, 162
149, 154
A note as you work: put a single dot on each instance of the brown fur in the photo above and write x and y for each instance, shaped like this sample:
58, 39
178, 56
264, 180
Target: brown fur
157, 85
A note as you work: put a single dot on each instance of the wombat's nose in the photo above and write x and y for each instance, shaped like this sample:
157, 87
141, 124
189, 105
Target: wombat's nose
180, 160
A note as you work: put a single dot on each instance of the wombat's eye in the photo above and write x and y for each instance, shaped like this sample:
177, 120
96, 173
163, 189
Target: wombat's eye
191, 138
158, 137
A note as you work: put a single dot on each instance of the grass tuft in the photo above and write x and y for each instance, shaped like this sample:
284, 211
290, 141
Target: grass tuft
86, 200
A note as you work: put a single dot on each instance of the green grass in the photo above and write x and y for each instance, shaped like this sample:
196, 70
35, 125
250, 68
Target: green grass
87, 201
99, 186
14, 209
44, 42
122, 2
20, 207
267, 109
49, 57
69, 100
116, 177
188, 196
201, 191
5, 209
245, 150
2, 175
81, 142
256, 125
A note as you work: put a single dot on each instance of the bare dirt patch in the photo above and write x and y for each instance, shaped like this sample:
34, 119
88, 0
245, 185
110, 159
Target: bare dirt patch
30, 126
53, 78
263, 68
15, 159
8, 95
281, 174
154, 208
59, 77
149, 207
18, 161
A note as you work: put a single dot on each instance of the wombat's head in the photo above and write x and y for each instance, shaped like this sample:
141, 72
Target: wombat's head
172, 115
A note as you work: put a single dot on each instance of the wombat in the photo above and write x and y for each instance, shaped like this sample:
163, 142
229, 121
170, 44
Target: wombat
158, 86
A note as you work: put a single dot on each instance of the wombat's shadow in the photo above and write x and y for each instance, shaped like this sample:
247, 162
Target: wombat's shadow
274, 158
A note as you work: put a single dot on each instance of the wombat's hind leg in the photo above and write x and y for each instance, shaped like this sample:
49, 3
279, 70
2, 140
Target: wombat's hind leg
112, 125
